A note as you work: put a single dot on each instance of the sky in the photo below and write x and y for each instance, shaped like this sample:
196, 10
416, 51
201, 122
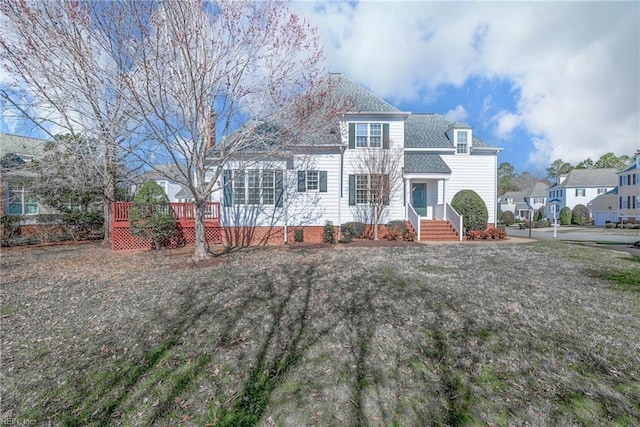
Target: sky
542, 80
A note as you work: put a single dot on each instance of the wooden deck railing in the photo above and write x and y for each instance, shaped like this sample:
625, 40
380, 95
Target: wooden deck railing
181, 211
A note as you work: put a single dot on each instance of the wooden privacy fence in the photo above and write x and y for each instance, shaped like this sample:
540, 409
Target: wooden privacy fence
184, 213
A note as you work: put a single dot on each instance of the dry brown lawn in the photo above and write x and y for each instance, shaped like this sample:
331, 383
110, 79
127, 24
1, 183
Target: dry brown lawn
482, 334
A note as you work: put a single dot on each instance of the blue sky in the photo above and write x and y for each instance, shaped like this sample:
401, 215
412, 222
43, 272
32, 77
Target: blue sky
543, 80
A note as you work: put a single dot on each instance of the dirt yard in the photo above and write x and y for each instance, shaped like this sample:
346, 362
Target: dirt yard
486, 334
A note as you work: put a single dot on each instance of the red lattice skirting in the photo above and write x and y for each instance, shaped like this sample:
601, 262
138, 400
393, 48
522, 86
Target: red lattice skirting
122, 240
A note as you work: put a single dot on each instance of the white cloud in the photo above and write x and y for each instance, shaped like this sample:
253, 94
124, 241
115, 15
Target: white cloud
574, 66
458, 114
506, 123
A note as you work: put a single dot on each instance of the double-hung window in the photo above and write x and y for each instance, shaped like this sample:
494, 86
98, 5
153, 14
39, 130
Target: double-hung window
268, 187
462, 146
21, 202
368, 189
253, 187
580, 192
239, 187
313, 180
369, 135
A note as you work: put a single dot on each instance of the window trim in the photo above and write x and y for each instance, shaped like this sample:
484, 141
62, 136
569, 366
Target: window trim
355, 132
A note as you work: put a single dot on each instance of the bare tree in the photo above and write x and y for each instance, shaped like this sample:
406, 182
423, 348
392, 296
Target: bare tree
218, 81
378, 178
190, 82
67, 71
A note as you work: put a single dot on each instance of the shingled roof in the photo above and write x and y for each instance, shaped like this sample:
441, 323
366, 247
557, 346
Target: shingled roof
424, 163
429, 130
362, 100
590, 178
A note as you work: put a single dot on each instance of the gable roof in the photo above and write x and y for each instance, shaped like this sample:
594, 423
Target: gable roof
517, 196
362, 99
426, 130
429, 130
538, 190
22, 146
589, 178
424, 163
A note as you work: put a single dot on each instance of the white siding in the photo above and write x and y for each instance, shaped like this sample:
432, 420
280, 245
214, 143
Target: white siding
314, 207
396, 209
477, 173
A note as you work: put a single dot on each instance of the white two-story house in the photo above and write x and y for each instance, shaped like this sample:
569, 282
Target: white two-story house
579, 186
432, 159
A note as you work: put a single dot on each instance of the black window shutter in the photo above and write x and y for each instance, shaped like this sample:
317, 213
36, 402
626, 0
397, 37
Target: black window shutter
352, 135
385, 136
279, 188
323, 181
226, 183
352, 190
386, 189
302, 181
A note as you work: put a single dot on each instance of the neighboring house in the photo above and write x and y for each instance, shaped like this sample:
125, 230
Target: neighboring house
629, 193
16, 152
514, 201
167, 176
579, 186
604, 208
520, 202
323, 180
536, 196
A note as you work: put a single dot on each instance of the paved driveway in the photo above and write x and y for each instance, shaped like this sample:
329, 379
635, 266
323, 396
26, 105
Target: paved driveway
614, 239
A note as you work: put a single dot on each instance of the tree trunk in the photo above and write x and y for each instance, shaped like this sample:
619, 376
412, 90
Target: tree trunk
202, 250
375, 224
109, 195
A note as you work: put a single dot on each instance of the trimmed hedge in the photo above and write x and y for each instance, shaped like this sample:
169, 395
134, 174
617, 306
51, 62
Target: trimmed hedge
470, 205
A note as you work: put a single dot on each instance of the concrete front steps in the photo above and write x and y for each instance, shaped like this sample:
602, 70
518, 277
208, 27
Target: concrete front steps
440, 230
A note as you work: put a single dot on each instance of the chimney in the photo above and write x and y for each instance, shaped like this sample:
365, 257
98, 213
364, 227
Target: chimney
212, 129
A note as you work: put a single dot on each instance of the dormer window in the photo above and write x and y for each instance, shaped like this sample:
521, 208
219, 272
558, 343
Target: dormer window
462, 142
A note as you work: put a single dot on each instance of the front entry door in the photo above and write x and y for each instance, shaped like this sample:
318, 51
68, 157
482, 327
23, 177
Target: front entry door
419, 198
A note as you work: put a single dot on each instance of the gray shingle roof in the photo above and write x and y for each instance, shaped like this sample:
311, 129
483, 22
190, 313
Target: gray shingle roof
426, 131
538, 190
424, 163
429, 130
22, 146
516, 196
360, 98
590, 178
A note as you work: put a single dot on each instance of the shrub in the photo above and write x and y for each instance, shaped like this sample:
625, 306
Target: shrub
398, 225
298, 235
9, 228
508, 218
356, 229
500, 213
472, 208
327, 233
580, 215
539, 214
82, 225
397, 229
488, 234
346, 232
151, 216
565, 215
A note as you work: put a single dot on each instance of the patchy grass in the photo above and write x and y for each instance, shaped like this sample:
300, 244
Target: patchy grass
485, 334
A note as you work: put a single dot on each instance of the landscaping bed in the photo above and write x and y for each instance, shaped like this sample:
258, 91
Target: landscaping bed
495, 334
